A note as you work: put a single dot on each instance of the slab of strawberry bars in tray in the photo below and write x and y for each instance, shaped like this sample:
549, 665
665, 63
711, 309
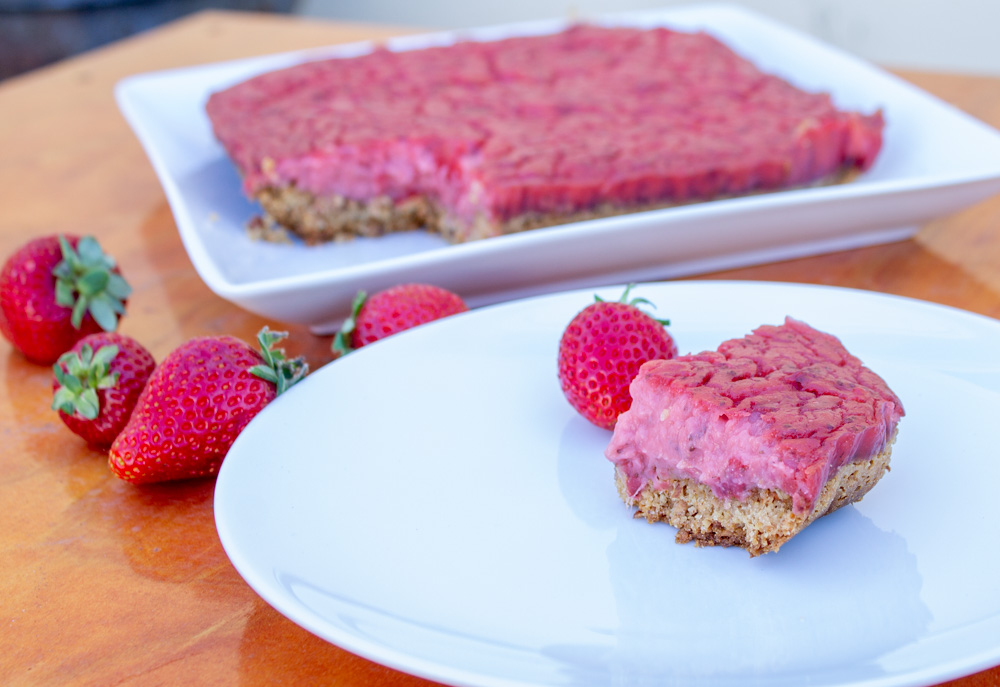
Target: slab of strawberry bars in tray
482, 138
934, 160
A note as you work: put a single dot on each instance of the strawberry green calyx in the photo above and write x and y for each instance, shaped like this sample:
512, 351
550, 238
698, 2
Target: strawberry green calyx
635, 303
342, 341
87, 283
277, 368
83, 375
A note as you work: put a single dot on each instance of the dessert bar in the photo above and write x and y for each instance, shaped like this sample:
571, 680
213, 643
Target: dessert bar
479, 139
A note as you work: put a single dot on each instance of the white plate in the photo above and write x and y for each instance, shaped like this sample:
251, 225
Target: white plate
936, 160
431, 502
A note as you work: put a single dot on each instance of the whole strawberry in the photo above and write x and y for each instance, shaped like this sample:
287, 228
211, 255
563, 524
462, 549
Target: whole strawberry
54, 291
601, 351
196, 403
393, 310
97, 383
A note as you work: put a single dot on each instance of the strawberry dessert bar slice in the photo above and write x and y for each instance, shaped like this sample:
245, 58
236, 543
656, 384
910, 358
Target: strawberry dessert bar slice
747, 445
478, 139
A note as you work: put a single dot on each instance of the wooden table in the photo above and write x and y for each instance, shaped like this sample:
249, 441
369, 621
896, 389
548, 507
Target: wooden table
104, 583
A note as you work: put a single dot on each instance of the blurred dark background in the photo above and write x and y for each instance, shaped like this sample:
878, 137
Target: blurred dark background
34, 33
957, 35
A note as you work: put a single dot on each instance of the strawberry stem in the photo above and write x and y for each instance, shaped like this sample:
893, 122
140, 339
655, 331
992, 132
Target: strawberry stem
79, 376
342, 341
277, 368
635, 302
87, 283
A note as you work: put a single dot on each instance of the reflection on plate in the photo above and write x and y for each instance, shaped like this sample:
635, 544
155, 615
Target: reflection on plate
935, 160
431, 502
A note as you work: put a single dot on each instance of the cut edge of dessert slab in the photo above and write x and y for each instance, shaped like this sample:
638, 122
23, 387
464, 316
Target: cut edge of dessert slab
317, 219
936, 160
760, 523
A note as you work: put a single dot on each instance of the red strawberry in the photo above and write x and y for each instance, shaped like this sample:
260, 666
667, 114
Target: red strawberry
601, 351
97, 383
392, 311
196, 403
54, 291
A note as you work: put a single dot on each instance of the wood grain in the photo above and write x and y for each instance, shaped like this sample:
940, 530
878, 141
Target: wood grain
103, 583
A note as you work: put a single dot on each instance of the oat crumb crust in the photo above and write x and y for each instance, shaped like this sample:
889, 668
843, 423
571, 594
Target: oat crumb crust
763, 521
317, 219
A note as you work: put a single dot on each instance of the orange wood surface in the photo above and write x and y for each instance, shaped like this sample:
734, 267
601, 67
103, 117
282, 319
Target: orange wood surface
104, 583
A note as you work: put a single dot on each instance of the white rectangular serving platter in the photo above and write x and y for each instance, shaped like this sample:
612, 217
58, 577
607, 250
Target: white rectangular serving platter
935, 160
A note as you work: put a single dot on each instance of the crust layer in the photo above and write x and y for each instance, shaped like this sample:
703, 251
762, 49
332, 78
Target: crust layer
763, 521
318, 219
